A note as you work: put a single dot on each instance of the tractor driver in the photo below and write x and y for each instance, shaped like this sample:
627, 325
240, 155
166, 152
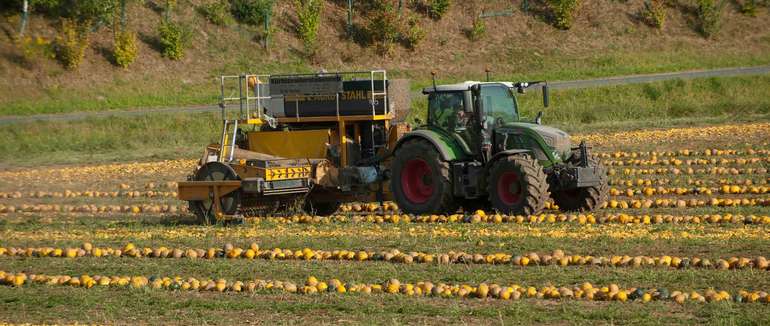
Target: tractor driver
454, 104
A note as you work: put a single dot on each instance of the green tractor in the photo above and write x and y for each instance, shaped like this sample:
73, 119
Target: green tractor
477, 152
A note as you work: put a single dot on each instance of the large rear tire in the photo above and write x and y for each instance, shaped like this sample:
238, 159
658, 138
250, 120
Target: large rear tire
421, 182
587, 198
517, 185
204, 209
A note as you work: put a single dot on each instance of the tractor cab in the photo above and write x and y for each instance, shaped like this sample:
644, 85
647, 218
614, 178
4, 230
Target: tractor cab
471, 111
456, 105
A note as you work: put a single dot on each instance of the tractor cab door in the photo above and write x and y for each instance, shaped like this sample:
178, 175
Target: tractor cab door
498, 106
453, 113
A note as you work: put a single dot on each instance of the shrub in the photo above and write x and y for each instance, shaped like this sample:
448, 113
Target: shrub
709, 14
46, 6
413, 34
478, 29
251, 12
169, 6
72, 42
654, 13
99, 12
437, 8
125, 48
748, 7
563, 12
34, 48
218, 13
308, 16
383, 29
173, 39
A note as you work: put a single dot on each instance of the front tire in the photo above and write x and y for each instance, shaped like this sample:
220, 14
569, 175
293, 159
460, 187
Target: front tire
421, 182
586, 198
517, 185
204, 209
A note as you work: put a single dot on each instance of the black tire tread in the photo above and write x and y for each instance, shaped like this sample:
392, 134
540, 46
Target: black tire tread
536, 189
446, 203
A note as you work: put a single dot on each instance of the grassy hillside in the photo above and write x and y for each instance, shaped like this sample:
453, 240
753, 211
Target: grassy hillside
608, 38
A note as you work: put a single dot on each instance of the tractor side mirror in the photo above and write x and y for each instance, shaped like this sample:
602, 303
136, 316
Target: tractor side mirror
546, 100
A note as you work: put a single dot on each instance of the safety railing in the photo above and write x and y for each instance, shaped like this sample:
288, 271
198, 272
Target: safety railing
250, 93
251, 96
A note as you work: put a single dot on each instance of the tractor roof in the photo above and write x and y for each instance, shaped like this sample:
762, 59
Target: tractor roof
464, 86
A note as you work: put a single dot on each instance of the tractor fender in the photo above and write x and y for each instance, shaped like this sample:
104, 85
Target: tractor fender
445, 145
509, 152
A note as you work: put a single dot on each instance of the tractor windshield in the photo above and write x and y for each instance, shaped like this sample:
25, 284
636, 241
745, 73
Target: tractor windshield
499, 103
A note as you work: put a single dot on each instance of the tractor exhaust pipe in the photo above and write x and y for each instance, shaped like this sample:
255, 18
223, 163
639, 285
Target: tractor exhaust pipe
583, 154
433, 75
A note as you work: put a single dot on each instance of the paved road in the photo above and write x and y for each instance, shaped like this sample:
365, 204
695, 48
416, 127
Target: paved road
636, 79
586, 83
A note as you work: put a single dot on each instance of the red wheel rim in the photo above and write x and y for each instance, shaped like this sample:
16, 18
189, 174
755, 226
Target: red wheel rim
508, 188
416, 181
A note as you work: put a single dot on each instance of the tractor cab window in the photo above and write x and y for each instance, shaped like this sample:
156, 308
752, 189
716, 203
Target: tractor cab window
446, 110
499, 104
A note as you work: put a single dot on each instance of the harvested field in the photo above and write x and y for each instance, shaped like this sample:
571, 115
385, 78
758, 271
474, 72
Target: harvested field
683, 239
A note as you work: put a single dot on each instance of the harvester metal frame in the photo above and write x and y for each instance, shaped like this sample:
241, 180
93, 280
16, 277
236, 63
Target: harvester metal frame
247, 96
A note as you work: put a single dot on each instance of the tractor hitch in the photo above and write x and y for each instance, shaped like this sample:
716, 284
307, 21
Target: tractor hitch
570, 177
582, 174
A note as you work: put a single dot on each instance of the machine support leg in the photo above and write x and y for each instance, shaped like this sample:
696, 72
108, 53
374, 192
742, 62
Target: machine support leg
343, 144
217, 208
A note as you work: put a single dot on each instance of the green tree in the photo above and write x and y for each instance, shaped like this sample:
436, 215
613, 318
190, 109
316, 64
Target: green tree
437, 8
308, 17
383, 28
72, 42
564, 12
252, 12
709, 16
125, 49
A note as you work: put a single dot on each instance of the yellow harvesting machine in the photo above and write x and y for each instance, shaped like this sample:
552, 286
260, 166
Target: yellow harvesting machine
304, 141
